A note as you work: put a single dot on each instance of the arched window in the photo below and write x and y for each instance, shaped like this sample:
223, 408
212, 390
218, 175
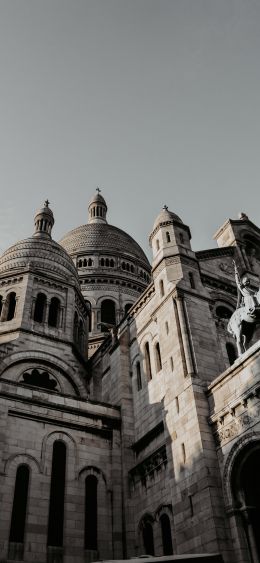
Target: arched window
85, 263
112, 263
127, 307
80, 264
231, 352
1, 304
157, 244
191, 278
10, 306
181, 238
107, 262
123, 265
18, 520
166, 534
90, 262
158, 361
89, 316
168, 238
132, 269
54, 312
91, 527
138, 376
108, 312
161, 285
148, 538
56, 504
40, 308
127, 267
102, 262
147, 361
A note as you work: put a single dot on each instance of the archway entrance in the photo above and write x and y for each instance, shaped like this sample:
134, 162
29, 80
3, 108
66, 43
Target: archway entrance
246, 492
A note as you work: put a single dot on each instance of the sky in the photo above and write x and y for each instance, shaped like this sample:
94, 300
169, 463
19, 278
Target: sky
154, 101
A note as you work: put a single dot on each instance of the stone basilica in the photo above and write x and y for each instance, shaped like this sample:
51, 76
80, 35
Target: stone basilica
129, 424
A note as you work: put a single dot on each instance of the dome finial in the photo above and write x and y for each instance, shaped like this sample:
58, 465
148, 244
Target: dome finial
43, 221
165, 207
97, 209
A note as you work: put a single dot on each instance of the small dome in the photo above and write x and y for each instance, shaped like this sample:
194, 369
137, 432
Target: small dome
164, 216
97, 198
97, 209
43, 221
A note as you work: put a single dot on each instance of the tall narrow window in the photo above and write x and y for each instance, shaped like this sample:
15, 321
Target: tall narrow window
91, 484
10, 306
56, 505
166, 534
231, 352
181, 238
54, 312
1, 304
157, 244
138, 376
168, 238
191, 278
17, 530
40, 307
158, 359
81, 335
127, 307
108, 312
76, 328
148, 538
89, 316
147, 361
161, 285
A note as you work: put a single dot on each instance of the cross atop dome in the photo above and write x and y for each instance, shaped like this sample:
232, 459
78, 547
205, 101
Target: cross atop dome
46, 203
165, 207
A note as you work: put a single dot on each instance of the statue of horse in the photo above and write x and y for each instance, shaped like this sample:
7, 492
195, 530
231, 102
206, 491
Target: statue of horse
242, 324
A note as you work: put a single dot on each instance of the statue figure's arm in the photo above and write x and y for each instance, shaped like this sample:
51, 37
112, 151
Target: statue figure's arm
237, 278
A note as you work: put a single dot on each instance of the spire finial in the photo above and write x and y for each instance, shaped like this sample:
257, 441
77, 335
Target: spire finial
98, 190
165, 207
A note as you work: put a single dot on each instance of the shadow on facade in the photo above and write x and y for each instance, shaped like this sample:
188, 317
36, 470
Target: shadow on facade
234, 416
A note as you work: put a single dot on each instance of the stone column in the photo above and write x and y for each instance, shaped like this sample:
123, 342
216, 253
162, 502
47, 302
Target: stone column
185, 335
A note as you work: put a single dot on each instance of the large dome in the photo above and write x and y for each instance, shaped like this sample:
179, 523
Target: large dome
102, 237
113, 269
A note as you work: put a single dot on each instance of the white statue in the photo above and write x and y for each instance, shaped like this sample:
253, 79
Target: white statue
243, 321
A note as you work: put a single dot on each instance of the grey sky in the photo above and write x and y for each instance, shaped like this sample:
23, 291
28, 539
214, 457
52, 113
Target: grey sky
155, 101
